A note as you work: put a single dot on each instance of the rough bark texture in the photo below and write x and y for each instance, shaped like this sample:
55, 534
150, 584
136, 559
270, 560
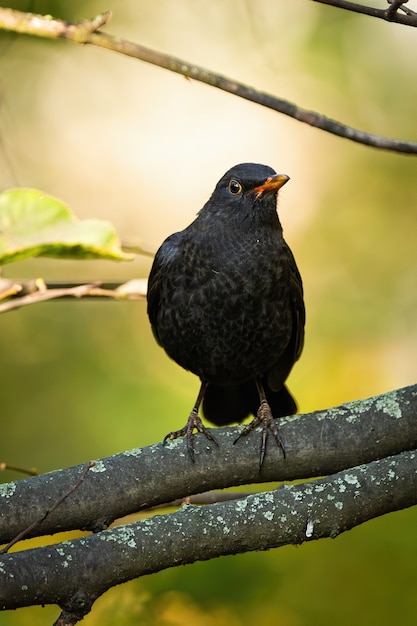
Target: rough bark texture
317, 444
74, 573
376, 438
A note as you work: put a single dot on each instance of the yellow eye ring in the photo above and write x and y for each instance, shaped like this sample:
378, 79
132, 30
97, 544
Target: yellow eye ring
235, 187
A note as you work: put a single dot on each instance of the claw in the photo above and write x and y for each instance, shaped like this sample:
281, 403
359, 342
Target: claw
193, 422
264, 416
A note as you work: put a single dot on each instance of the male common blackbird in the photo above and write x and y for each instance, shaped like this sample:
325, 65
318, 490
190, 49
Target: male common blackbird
225, 301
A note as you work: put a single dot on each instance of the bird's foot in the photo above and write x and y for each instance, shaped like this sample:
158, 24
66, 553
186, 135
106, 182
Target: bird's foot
193, 423
269, 425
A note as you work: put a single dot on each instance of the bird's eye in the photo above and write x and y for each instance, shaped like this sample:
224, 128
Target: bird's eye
235, 187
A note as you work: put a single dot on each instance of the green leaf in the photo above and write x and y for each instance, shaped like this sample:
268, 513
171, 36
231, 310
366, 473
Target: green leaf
35, 224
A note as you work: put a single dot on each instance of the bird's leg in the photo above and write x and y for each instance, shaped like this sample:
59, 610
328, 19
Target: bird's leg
193, 422
264, 416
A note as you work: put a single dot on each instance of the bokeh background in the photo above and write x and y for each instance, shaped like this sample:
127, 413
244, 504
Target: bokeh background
121, 140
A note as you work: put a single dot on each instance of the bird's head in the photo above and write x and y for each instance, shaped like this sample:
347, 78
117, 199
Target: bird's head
246, 193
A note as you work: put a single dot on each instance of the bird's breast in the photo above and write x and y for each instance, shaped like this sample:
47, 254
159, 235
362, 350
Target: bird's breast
224, 310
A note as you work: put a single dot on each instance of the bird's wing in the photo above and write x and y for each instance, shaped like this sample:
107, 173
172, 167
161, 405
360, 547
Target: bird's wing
279, 372
298, 312
165, 256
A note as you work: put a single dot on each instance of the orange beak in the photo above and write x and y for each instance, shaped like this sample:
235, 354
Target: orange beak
271, 185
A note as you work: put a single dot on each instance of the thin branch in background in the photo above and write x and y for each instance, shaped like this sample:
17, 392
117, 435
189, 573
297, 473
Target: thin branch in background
9, 289
85, 32
407, 10
48, 27
208, 497
391, 14
36, 523
130, 290
12, 468
394, 6
41, 295
246, 92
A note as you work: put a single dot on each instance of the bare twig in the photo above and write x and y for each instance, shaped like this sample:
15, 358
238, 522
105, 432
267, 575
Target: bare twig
394, 6
208, 497
48, 27
41, 295
36, 523
391, 14
33, 293
9, 288
85, 32
22, 470
246, 92
406, 10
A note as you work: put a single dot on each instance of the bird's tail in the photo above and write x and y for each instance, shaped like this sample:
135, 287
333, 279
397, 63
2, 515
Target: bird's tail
225, 405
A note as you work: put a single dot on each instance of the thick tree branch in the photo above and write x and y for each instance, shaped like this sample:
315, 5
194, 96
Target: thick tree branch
27, 531
390, 14
73, 574
85, 32
317, 444
84, 569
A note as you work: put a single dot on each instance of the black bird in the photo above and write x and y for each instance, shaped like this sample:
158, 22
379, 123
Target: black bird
225, 301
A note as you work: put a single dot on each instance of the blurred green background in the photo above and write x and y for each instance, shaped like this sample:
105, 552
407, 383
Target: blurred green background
121, 140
